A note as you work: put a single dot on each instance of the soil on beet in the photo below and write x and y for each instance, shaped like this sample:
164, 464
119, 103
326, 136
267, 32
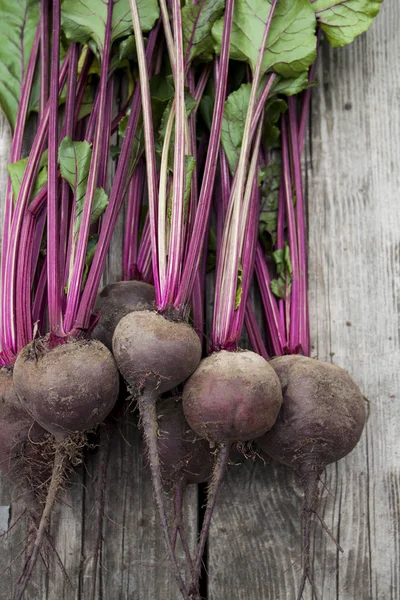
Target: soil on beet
322, 416
71, 387
154, 352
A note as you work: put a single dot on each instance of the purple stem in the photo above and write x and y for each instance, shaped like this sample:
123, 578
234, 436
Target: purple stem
16, 148
152, 180
37, 240
251, 324
144, 255
24, 284
248, 257
254, 333
44, 56
279, 246
39, 303
304, 336
198, 306
91, 126
115, 202
269, 303
83, 81
53, 212
74, 291
135, 195
69, 125
203, 209
305, 109
9, 281
233, 236
176, 239
105, 140
293, 337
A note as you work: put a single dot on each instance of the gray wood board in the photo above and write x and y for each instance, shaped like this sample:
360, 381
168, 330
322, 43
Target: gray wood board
354, 233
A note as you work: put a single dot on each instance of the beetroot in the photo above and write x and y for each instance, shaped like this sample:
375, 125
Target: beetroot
68, 388
322, 416
155, 353
321, 421
232, 396
117, 300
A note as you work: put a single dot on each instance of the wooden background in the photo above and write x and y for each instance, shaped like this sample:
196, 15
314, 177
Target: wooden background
353, 183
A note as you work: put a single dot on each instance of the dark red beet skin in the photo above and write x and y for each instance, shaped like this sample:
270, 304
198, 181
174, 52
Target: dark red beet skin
69, 388
154, 352
322, 416
117, 300
182, 454
232, 396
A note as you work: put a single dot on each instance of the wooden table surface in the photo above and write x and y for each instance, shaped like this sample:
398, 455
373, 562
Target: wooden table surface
353, 187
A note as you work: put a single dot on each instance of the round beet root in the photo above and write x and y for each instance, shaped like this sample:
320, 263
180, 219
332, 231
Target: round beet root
322, 416
182, 454
117, 300
67, 388
232, 396
154, 352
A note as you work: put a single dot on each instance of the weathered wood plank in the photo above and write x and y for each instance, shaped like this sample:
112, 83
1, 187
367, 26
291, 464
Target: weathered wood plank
354, 225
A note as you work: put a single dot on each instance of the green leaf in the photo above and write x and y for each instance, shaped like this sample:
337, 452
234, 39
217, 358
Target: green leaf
290, 86
281, 285
87, 102
269, 179
190, 165
239, 287
291, 43
74, 159
17, 169
90, 252
18, 24
345, 20
197, 22
275, 107
84, 20
127, 49
100, 203
235, 111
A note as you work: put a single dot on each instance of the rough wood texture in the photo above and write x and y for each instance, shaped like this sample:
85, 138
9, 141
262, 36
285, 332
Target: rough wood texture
354, 256
354, 223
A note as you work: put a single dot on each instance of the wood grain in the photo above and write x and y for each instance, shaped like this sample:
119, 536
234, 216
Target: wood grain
354, 224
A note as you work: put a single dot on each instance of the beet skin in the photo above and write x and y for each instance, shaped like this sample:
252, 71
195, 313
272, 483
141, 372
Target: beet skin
68, 388
117, 300
154, 352
232, 396
322, 417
